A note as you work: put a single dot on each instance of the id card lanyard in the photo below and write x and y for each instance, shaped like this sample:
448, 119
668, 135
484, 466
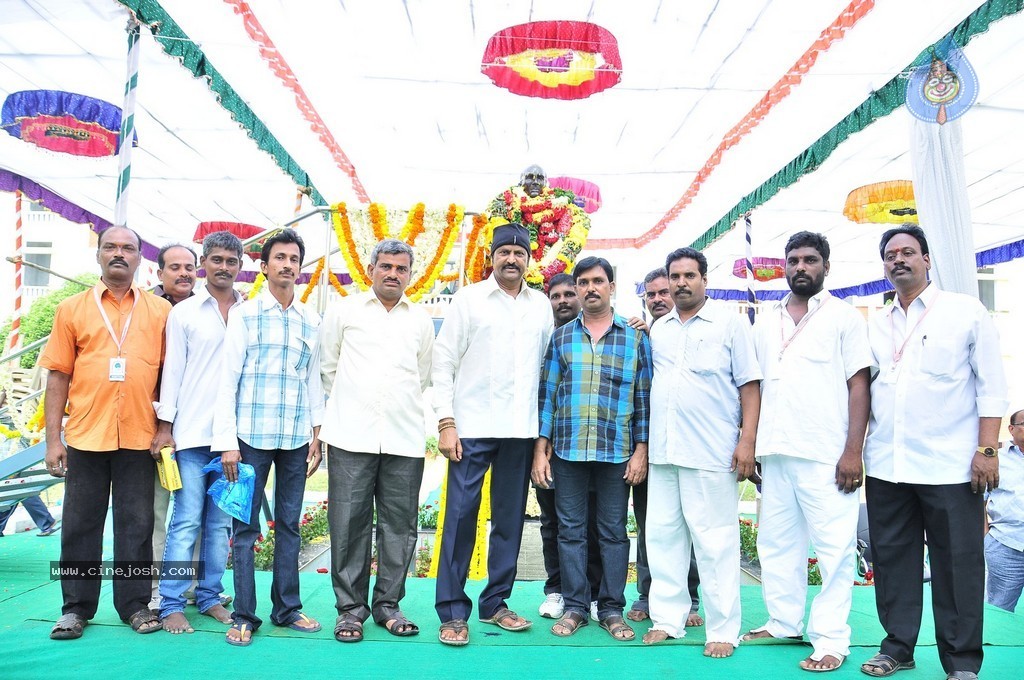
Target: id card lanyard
897, 354
799, 327
118, 342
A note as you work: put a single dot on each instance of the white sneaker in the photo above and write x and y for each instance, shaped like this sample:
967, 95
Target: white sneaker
552, 607
593, 611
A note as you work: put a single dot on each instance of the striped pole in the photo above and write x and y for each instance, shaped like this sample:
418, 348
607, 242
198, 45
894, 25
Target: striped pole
751, 298
19, 286
124, 156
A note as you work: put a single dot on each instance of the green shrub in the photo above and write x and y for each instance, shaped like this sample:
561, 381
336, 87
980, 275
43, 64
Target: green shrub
38, 322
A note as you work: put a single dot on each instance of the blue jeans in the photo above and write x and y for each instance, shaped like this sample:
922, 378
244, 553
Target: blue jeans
289, 485
194, 511
37, 510
1005, 574
573, 481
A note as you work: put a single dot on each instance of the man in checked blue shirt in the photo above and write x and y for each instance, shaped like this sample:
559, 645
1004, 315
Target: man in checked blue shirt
268, 412
1004, 542
594, 398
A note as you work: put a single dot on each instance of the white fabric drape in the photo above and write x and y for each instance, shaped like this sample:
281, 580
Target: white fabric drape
940, 191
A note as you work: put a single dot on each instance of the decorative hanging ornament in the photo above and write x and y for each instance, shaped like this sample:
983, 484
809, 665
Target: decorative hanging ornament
64, 122
944, 89
882, 203
765, 268
588, 194
553, 59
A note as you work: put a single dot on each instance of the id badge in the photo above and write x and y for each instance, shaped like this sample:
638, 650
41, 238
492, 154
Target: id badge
891, 374
117, 369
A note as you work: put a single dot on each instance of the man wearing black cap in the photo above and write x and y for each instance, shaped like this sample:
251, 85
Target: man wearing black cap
486, 372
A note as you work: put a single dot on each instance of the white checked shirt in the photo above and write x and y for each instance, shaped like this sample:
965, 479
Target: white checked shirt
699, 367
487, 360
192, 364
270, 395
925, 408
375, 365
805, 399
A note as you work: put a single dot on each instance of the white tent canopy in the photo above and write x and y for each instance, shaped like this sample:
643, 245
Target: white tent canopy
400, 93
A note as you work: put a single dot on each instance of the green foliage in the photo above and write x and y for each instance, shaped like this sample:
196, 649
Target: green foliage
426, 518
263, 551
748, 539
631, 527
38, 322
313, 524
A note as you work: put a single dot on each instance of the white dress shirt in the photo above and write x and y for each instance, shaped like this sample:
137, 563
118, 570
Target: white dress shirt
699, 367
375, 365
805, 399
192, 366
925, 407
1006, 502
487, 360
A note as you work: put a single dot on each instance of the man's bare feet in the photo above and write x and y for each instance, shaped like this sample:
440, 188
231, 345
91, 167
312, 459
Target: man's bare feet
218, 612
637, 615
654, 636
694, 620
718, 650
177, 624
827, 662
757, 635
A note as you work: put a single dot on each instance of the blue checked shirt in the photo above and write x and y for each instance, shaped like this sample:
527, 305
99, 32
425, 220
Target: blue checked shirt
270, 395
595, 395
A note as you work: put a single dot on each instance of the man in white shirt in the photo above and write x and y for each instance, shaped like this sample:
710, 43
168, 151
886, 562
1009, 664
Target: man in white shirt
706, 382
375, 350
936, 407
814, 353
195, 338
486, 376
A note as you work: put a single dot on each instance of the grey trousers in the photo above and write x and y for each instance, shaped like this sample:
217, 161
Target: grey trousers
356, 482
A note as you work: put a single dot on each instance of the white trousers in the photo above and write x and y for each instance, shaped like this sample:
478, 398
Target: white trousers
698, 508
800, 504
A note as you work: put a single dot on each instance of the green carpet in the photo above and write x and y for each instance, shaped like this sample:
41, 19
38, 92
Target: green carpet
30, 602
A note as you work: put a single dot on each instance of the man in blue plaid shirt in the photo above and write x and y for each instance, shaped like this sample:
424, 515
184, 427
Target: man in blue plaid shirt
594, 410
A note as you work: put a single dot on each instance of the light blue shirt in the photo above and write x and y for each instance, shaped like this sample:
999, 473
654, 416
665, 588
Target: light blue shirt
1006, 503
270, 394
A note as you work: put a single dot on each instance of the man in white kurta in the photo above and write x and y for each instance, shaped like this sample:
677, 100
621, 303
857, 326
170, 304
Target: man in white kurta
705, 384
375, 358
814, 352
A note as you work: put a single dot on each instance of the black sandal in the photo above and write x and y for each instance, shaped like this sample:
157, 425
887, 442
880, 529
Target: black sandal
570, 623
401, 626
886, 664
140, 619
68, 627
347, 623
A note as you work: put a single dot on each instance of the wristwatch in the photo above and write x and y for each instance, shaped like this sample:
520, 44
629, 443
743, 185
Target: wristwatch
987, 451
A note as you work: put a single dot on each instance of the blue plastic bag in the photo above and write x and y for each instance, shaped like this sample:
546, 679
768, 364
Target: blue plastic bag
234, 498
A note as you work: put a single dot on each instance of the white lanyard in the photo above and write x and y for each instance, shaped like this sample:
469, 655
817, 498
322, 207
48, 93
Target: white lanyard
897, 354
799, 327
106, 320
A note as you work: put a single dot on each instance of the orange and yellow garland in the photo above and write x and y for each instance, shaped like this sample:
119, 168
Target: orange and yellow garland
431, 239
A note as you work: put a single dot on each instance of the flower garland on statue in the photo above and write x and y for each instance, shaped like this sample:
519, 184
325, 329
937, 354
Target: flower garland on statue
558, 230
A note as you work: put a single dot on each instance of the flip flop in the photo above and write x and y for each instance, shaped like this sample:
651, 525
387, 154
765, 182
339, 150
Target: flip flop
454, 626
502, 615
294, 625
241, 628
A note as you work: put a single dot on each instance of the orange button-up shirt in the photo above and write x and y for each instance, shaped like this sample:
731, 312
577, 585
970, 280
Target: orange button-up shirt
106, 415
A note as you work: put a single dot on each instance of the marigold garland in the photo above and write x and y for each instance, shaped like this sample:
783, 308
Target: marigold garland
257, 285
431, 234
333, 280
8, 433
313, 280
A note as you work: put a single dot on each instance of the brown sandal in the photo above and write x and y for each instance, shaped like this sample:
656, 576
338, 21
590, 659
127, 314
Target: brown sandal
454, 626
569, 623
618, 628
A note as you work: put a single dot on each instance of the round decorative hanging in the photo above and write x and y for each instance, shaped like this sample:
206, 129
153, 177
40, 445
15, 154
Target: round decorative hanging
553, 59
765, 268
882, 203
63, 121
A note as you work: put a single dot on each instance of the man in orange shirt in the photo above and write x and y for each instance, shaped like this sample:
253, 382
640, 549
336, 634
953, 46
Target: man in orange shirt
104, 359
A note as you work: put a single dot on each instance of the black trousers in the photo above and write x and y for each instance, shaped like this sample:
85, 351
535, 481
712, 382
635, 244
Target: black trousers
125, 479
899, 517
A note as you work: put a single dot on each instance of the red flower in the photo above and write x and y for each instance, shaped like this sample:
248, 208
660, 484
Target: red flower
270, 524
870, 575
260, 538
257, 549
812, 560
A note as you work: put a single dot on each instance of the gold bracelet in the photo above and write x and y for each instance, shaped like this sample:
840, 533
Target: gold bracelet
446, 426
